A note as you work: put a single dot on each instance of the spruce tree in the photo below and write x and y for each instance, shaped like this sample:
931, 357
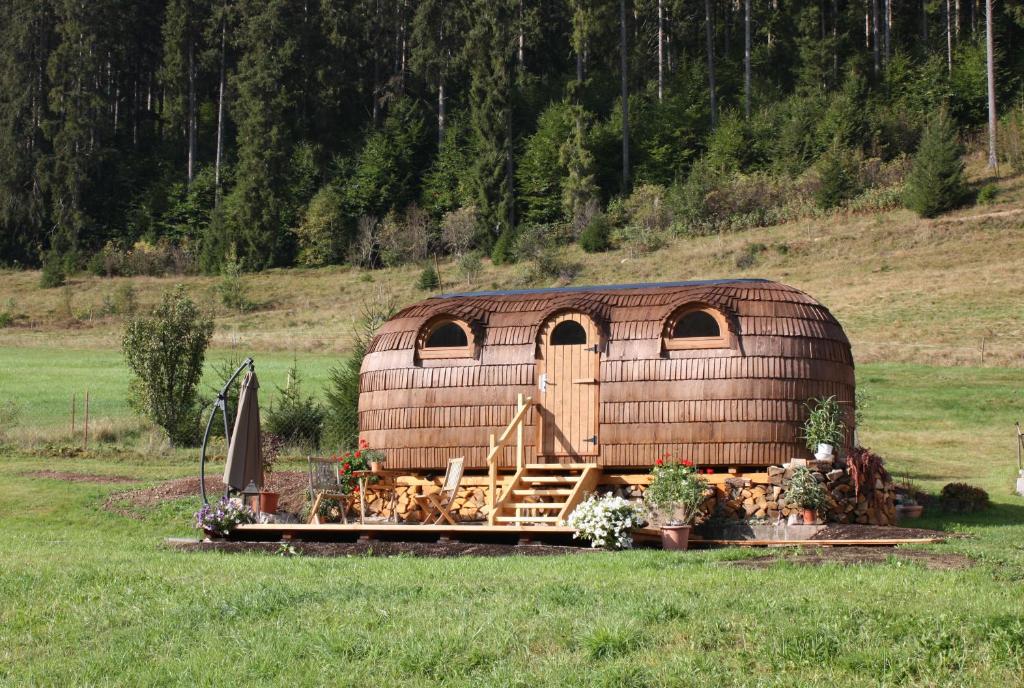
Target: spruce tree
936, 182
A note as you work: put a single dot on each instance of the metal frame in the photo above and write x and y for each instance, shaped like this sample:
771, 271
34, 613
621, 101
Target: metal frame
219, 403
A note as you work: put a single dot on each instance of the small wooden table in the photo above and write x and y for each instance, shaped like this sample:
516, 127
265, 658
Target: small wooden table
363, 478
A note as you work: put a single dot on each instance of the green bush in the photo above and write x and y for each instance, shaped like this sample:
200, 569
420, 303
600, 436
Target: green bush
839, 178
469, 266
54, 273
341, 414
804, 491
428, 279
297, 419
936, 182
165, 354
987, 194
232, 288
596, 237
963, 498
504, 248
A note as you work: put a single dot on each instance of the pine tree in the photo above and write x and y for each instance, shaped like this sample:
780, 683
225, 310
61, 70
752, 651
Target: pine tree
936, 182
489, 54
266, 111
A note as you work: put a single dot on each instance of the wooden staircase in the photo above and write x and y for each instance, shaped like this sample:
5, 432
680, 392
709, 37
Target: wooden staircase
544, 493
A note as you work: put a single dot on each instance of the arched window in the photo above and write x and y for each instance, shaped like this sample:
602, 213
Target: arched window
568, 332
696, 327
445, 338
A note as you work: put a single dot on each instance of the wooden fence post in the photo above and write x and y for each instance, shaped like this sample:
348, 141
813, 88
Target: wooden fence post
85, 421
492, 483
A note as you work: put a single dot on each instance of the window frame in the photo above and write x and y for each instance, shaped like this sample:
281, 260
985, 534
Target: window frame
434, 352
672, 343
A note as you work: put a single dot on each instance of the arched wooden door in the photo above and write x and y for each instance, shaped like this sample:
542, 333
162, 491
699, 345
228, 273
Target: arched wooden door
568, 368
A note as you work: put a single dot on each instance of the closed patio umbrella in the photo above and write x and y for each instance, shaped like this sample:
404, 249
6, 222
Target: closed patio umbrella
245, 453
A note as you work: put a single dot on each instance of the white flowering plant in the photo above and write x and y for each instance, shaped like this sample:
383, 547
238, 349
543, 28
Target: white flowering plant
606, 521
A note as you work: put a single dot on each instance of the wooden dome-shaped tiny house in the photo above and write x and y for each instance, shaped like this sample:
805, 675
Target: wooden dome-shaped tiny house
718, 371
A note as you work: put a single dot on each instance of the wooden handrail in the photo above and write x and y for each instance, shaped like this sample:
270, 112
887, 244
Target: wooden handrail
522, 406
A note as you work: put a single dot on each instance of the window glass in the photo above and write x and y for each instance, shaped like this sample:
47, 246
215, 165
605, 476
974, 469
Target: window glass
446, 335
568, 332
696, 324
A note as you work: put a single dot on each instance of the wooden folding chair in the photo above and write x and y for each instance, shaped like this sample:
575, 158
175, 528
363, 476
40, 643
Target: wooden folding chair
438, 506
325, 483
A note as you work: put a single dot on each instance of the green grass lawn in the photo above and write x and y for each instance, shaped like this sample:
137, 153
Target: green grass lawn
90, 597
41, 381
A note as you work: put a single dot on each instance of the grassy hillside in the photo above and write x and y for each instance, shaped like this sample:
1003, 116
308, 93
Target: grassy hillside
910, 290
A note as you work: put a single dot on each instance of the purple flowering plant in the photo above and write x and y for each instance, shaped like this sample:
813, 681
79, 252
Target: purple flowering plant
221, 517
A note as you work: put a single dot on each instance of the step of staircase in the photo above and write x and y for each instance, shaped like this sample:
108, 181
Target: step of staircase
557, 466
538, 505
526, 519
550, 492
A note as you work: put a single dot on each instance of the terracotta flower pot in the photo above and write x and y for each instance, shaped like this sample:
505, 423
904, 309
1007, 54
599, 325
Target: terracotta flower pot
376, 466
809, 517
909, 511
268, 502
675, 537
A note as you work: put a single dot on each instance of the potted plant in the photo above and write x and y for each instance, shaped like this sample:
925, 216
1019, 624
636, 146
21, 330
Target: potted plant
606, 521
217, 520
824, 427
678, 492
906, 501
270, 448
373, 457
804, 492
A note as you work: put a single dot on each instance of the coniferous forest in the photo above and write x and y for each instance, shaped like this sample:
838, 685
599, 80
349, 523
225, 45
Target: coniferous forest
157, 136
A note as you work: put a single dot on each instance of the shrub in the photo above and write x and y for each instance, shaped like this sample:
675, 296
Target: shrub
53, 274
122, 301
341, 415
646, 207
459, 228
10, 416
504, 249
295, 418
748, 256
232, 288
321, 233
404, 239
428, 279
838, 172
804, 491
548, 264
165, 353
605, 521
676, 490
963, 498
469, 266
987, 194
596, 237
936, 182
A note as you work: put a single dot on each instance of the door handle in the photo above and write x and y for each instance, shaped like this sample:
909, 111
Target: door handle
592, 439
585, 381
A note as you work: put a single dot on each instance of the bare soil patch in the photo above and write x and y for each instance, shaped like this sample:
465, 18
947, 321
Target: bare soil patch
856, 531
935, 561
385, 549
81, 477
291, 484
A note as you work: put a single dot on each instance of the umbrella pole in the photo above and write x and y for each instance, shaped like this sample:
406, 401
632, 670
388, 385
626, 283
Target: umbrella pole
219, 403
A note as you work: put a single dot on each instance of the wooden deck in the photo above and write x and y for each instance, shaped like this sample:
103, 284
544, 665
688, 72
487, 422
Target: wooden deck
408, 532
506, 534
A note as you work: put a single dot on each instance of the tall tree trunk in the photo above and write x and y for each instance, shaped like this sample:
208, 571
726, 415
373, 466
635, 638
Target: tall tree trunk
949, 38
521, 39
709, 35
624, 95
875, 11
661, 50
220, 108
993, 161
440, 113
746, 58
835, 41
888, 30
956, 21
924, 21
192, 124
